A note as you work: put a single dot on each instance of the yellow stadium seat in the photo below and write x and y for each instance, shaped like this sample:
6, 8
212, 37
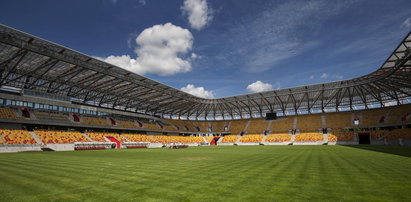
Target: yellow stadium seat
309, 137
278, 137
230, 138
252, 138
60, 137
17, 137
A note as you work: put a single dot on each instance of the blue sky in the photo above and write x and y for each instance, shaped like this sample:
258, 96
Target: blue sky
218, 48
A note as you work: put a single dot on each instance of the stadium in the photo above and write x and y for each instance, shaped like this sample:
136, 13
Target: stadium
74, 128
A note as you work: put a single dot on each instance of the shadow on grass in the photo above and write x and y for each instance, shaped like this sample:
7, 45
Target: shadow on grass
396, 150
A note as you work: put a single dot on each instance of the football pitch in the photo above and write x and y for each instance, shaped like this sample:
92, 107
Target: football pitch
216, 173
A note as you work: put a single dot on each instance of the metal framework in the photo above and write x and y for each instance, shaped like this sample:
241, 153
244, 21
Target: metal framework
30, 63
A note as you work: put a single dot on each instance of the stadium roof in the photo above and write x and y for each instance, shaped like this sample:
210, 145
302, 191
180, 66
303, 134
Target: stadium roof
30, 63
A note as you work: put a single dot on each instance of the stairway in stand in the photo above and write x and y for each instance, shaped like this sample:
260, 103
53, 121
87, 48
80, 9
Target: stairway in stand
263, 140
246, 125
238, 140
125, 138
33, 134
86, 136
204, 139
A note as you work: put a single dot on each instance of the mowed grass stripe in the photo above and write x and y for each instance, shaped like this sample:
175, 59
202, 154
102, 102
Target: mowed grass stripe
249, 173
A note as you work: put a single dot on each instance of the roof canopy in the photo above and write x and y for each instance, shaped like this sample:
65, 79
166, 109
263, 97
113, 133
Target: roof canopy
30, 63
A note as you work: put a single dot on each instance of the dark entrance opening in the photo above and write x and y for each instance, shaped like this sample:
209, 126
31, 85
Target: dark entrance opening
25, 112
363, 138
76, 118
112, 121
214, 141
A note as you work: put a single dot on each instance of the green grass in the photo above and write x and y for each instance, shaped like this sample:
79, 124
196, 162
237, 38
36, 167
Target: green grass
230, 173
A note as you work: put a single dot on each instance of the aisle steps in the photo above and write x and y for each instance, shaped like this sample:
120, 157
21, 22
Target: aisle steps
238, 140
263, 140
246, 125
89, 138
33, 134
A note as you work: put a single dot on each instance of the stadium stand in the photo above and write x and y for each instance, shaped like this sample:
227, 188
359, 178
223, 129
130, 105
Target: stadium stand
218, 126
188, 139
191, 126
339, 120
196, 139
309, 123
252, 138
151, 126
377, 134
169, 127
7, 113
164, 139
126, 124
60, 137
398, 115
237, 126
282, 125
138, 138
257, 126
100, 136
341, 136
404, 133
95, 121
54, 117
181, 125
332, 138
230, 138
371, 117
96, 136
209, 138
278, 137
309, 137
201, 126
17, 137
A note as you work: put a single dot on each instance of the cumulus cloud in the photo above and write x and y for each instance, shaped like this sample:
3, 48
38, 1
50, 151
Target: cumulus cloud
259, 86
199, 15
312, 77
406, 23
198, 91
159, 51
324, 76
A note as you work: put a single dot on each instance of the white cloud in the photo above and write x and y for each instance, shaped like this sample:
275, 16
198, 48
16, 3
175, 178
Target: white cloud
142, 2
159, 50
195, 56
259, 86
198, 91
324, 76
199, 15
406, 23
312, 77
339, 77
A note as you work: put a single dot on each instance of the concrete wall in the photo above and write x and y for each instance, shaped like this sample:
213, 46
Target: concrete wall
19, 147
